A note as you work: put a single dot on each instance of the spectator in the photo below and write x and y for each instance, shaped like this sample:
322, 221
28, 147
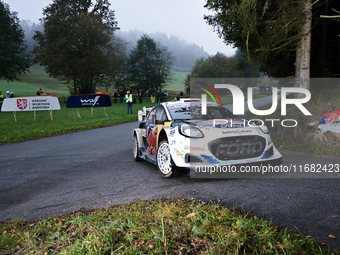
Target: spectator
140, 95
1, 98
162, 96
166, 96
121, 95
157, 96
11, 95
129, 101
7, 94
39, 92
147, 96
181, 93
115, 95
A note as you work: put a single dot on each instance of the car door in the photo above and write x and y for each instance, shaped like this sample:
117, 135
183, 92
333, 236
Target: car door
151, 130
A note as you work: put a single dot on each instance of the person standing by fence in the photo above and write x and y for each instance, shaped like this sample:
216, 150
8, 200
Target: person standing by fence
147, 95
166, 96
121, 95
140, 95
129, 102
115, 97
2, 97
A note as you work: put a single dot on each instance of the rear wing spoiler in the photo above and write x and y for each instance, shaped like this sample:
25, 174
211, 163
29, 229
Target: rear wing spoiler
143, 113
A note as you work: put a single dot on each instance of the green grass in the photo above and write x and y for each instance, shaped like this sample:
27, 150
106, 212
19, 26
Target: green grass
159, 227
172, 226
37, 78
21, 89
178, 82
30, 82
64, 121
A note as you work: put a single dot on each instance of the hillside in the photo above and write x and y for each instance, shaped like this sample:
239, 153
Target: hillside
185, 53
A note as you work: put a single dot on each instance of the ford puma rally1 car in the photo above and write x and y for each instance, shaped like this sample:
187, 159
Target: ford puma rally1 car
173, 135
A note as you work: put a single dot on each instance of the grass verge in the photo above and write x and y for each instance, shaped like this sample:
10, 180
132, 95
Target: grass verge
64, 121
175, 226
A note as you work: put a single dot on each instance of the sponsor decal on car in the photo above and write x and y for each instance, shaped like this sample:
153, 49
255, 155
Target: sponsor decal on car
192, 148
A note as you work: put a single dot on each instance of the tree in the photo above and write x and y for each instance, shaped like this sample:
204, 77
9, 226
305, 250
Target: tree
150, 65
270, 32
13, 59
221, 66
116, 66
77, 43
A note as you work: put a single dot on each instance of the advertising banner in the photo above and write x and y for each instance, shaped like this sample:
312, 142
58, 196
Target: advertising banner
95, 100
36, 103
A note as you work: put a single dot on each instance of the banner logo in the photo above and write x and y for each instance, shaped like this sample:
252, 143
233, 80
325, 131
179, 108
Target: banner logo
22, 104
91, 101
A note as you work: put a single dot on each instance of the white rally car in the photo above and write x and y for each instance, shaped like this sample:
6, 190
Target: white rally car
174, 135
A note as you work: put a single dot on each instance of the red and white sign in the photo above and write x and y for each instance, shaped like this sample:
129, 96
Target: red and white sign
22, 104
36, 103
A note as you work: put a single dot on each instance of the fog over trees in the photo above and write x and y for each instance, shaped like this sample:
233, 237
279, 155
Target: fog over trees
185, 53
13, 55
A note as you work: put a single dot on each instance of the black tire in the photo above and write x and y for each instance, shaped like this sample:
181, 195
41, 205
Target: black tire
135, 149
163, 159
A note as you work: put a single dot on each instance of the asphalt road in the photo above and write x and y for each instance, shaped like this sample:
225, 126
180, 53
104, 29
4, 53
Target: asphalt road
95, 168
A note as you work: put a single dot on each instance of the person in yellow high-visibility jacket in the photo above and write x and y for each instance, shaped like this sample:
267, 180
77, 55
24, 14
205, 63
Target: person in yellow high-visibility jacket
129, 101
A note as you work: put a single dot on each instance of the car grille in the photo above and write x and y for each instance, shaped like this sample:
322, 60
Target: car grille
230, 148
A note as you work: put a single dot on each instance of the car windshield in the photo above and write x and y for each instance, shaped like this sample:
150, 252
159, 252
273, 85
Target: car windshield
187, 112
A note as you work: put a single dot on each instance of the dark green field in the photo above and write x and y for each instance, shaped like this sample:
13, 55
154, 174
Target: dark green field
30, 82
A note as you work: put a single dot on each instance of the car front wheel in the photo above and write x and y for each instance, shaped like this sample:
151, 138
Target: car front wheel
135, 149
163, 158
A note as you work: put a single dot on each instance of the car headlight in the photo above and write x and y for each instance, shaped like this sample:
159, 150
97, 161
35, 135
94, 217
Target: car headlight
191, 131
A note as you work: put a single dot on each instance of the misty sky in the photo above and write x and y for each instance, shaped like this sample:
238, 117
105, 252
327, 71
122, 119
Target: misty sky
183, 18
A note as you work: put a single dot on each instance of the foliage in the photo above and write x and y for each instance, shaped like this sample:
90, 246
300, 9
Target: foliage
149, 65
221, 66
325, 52
77, 44
185, 53
175, 226
13, 59
268, 31
109, 80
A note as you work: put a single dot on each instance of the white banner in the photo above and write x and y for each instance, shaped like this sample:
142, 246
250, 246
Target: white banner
37, 103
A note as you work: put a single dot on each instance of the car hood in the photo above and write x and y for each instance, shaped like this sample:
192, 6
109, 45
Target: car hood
221, 123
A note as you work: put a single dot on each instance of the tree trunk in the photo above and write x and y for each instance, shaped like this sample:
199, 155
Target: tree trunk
303, 50
324, 39
298, 61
